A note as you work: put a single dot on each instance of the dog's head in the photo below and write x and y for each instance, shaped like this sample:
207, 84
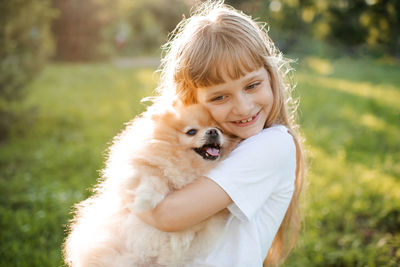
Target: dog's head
191, 128
199, 132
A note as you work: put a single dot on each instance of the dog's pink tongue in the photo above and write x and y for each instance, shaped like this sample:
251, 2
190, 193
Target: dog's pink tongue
212, 151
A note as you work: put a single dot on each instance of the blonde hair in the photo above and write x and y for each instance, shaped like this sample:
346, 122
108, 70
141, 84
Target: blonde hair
218, 40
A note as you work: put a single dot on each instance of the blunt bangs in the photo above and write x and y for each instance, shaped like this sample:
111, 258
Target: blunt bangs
231, 62
223, 55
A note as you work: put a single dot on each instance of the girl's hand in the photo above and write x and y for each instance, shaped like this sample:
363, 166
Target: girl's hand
188, 206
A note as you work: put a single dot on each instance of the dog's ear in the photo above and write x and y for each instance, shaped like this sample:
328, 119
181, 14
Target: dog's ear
163, 114
177, 104
165, 111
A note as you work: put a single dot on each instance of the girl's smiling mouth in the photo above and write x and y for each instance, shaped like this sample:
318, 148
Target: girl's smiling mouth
248, 121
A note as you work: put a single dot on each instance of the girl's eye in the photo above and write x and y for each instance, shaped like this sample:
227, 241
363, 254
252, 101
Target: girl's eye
252, 86
218, 98
191, 132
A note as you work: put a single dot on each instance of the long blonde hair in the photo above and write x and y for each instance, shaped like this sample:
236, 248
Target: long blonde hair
217, 40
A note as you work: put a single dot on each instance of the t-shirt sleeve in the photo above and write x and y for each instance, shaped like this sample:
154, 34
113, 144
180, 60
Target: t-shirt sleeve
254, 169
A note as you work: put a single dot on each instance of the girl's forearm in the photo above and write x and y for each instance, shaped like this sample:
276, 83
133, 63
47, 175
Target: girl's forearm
188, 206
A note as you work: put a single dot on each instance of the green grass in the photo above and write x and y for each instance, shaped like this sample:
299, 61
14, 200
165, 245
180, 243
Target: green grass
349, 111
350, 114
49, 166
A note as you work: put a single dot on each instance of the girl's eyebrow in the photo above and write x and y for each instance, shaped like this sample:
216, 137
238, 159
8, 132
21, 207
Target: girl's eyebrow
252, 77
216, 93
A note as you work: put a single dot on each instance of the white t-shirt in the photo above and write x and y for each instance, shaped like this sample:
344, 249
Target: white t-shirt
259, 176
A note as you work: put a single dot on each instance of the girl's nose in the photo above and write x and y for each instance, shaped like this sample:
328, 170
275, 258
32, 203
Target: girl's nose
243, 105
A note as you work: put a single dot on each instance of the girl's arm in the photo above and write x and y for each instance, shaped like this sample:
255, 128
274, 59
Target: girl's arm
188, 206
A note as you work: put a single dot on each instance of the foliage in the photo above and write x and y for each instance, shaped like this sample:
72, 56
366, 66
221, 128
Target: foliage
352, 26
350, 118
371, 23
93, 29
25, 44
149, 22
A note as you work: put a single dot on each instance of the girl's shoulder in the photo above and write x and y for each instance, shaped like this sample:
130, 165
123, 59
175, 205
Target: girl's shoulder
275, 128
272, 149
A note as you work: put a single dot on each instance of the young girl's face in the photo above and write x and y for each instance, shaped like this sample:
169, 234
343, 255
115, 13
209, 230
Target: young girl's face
241, 107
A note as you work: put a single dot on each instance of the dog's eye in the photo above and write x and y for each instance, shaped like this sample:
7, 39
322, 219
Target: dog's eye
191, 132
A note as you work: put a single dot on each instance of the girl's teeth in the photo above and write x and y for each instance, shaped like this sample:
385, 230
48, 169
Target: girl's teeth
249, 119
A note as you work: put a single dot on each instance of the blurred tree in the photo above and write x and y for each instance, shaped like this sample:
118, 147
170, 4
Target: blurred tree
87, 29
355, 26
344, 20
382, 23
290, 20
79, 30
150, 22
25, 44
361, 25
92, 29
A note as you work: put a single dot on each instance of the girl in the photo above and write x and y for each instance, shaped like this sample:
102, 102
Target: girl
221, 58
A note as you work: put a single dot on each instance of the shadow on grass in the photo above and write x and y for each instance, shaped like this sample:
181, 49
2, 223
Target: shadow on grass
360, 125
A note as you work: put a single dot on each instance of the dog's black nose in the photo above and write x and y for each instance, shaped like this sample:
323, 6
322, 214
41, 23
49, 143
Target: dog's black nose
212, 132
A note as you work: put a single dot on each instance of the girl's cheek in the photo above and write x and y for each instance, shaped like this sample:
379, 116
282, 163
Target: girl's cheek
215, 114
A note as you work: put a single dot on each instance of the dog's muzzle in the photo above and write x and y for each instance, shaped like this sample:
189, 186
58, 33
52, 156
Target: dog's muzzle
212, 147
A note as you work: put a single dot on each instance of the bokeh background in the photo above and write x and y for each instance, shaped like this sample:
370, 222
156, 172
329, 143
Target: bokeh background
74, 71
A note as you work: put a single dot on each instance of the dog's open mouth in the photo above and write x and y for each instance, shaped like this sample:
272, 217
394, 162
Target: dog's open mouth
209, 151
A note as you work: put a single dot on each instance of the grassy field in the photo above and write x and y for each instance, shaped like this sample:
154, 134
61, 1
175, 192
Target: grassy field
349, 111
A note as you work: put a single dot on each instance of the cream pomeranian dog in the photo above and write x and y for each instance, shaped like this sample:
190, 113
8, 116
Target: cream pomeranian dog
161, 150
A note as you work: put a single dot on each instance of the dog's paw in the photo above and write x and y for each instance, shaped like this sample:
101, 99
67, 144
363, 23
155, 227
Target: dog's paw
146, 201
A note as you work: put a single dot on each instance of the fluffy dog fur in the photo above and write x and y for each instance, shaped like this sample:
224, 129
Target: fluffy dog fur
151, 157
